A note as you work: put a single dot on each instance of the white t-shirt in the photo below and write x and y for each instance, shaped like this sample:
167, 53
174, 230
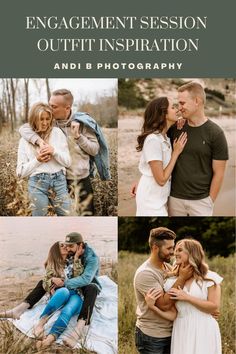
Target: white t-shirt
155, 148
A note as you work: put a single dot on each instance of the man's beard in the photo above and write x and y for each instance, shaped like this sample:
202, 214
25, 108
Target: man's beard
71, 253
164, 258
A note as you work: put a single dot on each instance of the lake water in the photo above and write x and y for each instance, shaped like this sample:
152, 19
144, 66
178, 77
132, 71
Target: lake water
25, 241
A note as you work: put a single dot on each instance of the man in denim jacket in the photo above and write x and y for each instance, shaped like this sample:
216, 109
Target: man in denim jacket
86, 144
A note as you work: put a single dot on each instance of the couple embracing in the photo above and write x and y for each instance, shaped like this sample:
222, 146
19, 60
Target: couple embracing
57, 153
182, 165
176, 307
72, 285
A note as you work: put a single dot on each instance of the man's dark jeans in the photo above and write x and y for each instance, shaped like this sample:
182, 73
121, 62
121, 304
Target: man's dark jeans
151, 345
84, 197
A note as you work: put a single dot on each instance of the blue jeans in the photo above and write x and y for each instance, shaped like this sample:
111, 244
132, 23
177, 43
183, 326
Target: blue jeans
151, 345
49, 188
71, 303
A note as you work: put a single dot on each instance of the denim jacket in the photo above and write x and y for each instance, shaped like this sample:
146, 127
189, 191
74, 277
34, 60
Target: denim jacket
101, 160
90, 275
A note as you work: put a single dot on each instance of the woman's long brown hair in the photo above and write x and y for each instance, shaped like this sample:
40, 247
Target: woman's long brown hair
154, 119
55, 260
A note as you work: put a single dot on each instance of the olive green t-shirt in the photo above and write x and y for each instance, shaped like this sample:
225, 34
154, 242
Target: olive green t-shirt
192, 175
147, 277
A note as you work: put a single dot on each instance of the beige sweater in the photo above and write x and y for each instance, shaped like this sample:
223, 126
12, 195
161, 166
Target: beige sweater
80, 150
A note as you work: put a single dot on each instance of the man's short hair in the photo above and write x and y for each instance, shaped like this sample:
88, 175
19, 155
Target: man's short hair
66, 94
159, 235
195, 89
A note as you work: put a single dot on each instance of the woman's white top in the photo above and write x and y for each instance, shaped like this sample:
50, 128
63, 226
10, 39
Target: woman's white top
195, 331
27, 163
151, 198
155, 148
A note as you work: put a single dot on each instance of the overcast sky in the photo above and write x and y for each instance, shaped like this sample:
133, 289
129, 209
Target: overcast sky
86, 88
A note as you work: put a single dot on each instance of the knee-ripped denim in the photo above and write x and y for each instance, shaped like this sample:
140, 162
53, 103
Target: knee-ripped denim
49, 189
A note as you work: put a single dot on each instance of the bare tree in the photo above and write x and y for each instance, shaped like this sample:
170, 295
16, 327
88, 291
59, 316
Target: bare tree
13, 85
8, 103
26, 107
48, 89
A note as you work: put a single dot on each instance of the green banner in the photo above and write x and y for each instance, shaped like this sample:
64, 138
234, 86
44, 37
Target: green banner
105, 38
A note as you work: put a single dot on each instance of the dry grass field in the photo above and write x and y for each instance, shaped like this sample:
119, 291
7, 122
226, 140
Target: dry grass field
129, 262
13, 191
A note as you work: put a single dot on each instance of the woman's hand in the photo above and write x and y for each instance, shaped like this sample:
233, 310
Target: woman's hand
133, 189
43, 157
180, 123
180, 143
178, 294
45, 153
152, 295
47, 149
58, 282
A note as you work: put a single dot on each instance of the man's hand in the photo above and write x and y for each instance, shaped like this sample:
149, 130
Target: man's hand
133, 189
185, 272
178, 294
152, 295
58, 282
75, 129
80, 251
41, 143
216, 315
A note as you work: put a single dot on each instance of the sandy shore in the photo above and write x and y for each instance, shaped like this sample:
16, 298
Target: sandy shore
128, 159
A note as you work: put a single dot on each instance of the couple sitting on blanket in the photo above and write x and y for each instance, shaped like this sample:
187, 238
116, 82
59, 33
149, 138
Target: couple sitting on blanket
71, 281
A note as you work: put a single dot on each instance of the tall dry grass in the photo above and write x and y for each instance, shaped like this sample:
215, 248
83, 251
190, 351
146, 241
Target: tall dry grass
13, 191
129, 262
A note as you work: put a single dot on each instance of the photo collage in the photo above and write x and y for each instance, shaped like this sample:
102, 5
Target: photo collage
117, 215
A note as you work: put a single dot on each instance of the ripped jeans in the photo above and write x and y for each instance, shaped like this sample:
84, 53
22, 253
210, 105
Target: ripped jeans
49, 189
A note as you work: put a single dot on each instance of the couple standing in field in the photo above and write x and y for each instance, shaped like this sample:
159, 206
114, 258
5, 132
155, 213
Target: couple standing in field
182, 169
177, 307
57, 152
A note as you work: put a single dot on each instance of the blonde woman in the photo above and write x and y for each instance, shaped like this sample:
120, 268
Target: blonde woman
45, 167
195, 330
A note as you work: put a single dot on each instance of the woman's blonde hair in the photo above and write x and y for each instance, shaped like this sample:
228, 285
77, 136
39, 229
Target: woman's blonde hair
54, 260
34, 115
196, 258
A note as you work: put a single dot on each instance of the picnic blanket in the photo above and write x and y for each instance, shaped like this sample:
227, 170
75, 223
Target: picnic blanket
102, 333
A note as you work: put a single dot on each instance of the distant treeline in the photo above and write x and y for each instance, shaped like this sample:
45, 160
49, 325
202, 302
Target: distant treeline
216, 234
18, 95
136, 93
104, 111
